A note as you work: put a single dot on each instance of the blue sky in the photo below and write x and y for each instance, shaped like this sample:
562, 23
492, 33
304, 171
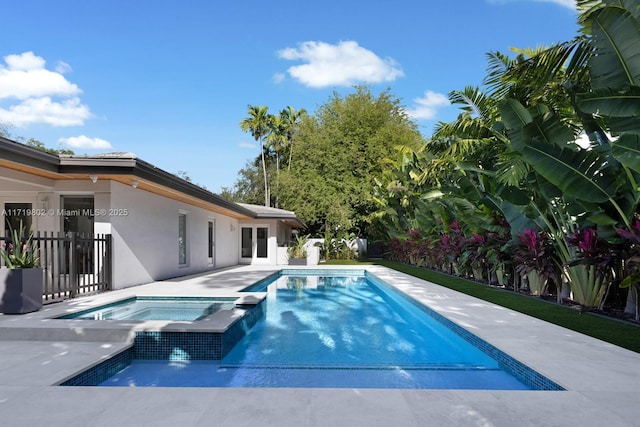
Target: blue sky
171, 80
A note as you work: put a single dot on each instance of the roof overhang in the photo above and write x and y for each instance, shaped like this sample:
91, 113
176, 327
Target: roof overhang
264, 212
123, 167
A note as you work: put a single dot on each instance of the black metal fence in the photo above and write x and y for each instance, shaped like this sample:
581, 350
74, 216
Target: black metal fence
73, 264
375, 249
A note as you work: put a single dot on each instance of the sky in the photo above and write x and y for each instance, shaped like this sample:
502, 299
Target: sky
170, 81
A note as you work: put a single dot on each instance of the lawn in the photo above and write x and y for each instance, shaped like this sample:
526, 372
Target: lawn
613, 331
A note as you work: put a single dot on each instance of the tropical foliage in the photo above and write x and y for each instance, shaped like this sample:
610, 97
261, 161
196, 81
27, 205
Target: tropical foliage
513, 165
275, 135
325, 166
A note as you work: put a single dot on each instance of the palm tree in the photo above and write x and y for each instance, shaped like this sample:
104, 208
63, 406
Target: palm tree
290, 117
276, 141
258, 124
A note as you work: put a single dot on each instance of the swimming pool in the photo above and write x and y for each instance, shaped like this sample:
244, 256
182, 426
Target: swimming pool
349, 330
155, 308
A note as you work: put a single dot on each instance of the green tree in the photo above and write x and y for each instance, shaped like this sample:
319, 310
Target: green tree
248, 187
279, 141
520, 154
32, 142
340, 153
291, 118
257, 124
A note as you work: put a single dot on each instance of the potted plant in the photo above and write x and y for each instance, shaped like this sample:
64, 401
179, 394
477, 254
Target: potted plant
297, 252
21, 276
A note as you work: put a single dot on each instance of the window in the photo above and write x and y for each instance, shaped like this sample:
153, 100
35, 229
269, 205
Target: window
182, 238
15, 214
212, 241
247, 241
262, 238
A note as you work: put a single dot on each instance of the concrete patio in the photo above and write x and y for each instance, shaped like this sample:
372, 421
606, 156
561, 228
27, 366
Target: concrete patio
601, 380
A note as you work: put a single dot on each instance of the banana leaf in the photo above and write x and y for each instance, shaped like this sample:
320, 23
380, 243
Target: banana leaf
524, 125
626, 150
579, 174
616, 34
611, 102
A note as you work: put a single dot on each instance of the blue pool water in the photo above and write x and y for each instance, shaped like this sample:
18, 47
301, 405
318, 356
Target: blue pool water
156, 308
323, 331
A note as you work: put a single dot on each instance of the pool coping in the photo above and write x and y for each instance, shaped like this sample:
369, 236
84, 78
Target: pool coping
600, 378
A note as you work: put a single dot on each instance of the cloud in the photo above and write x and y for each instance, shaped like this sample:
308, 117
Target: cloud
62, 67
30, 93
251, 145
569, 4
426, 108
84, 142
25, 77
69, 112
344, 64
278, 78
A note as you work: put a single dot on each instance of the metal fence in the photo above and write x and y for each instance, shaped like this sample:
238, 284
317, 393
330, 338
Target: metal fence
375, 249
73, 264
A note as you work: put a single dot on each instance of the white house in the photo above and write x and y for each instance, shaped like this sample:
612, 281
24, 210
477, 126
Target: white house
161, 225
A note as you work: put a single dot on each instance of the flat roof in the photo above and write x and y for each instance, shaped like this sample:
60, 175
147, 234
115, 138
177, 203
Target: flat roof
125, 167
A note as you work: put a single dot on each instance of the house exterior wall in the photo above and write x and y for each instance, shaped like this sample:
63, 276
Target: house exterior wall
279, 235
144, 227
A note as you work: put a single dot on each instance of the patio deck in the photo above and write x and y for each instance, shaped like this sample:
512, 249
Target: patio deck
601, 379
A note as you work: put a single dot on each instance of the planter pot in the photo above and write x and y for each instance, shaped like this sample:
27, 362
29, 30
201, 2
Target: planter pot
20, 290
297, 261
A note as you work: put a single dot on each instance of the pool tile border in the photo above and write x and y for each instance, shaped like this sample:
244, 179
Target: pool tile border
522, 372
214, 346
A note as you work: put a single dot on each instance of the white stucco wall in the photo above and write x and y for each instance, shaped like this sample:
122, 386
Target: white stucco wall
144, 227
272, 242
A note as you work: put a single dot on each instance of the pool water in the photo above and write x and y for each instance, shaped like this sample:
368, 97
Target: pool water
156, 308
324, 331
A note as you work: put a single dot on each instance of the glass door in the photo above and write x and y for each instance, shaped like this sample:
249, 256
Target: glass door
254, 244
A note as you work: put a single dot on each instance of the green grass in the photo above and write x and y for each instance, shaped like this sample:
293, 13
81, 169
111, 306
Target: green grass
609, 330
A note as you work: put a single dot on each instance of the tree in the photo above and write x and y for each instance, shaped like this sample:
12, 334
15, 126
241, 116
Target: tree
291, 118
257, 124
32, 142
248, 187
279, 140
276, 141
340, 153
5, 132
532, 171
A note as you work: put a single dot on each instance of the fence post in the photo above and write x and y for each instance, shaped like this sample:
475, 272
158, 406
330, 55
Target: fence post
109, 261
73, 264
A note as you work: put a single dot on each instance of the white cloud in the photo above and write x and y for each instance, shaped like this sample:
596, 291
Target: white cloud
30, 93
84, 142
278, 78
344, 64
251, 145
62, 67
426, 108
569, 4
69, 112
25, 77
24, 62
